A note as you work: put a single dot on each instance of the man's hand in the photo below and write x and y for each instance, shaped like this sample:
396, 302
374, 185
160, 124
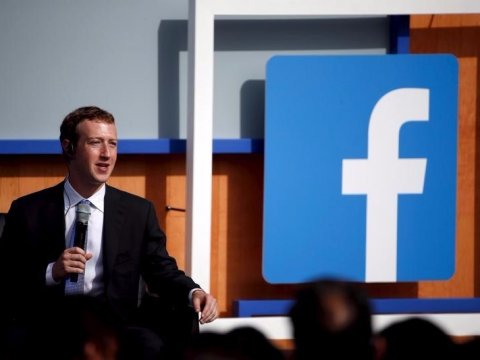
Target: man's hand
206, 305
71, 261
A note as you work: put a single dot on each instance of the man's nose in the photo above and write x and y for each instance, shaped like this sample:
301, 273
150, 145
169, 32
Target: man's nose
105, 150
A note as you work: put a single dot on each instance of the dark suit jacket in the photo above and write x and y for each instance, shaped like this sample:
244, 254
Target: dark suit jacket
134, 247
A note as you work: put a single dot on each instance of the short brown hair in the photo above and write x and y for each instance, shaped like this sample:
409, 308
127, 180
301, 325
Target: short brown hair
68, 129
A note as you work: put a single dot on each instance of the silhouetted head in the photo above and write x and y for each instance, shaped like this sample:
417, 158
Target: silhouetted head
332, 318
416, 338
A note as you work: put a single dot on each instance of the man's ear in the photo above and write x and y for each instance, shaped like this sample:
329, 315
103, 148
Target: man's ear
68, 147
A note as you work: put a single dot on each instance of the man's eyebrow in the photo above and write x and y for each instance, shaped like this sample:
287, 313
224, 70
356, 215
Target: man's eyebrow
101, 138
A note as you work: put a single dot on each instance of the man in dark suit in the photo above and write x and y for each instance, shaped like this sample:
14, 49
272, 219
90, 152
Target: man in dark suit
125, 245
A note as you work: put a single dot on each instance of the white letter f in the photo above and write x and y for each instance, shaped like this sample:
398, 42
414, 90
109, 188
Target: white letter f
383, 175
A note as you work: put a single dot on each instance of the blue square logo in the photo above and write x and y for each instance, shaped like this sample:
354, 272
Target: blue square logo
360, 168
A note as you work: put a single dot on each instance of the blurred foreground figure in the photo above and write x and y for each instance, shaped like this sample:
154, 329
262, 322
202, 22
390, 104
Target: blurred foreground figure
243, 343
416, 338
332, 320
93, 331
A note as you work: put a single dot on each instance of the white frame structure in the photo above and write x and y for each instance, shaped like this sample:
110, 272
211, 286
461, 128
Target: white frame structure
202, 14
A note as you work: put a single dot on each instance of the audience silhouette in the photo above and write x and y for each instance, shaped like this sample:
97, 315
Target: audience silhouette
242, 343
416, 338
331, 319
77, 327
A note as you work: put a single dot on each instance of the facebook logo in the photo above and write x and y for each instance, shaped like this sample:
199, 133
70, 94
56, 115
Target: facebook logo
360, 168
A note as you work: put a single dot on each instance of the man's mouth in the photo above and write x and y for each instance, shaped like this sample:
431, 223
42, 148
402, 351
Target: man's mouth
103, 166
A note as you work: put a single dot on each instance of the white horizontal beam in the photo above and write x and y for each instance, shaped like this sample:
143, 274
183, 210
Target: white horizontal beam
280, 328
338, 7
273, 327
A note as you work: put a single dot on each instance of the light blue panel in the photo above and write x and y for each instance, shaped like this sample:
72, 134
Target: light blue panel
130, 57
58, 55
317, 114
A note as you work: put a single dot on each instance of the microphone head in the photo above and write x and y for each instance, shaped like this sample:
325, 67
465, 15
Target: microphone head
83, 213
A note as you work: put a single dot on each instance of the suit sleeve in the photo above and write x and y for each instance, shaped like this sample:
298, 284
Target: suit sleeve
160, 270
23, 268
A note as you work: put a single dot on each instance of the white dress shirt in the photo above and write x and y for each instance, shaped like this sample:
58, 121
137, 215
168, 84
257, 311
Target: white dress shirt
93, 276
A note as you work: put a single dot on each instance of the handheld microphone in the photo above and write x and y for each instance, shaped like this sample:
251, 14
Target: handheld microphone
81, 225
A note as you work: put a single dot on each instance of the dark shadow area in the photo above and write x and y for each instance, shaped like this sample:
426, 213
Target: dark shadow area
252, 108
172, 39
299, 34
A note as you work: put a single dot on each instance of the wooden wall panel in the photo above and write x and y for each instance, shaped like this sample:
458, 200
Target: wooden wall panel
20, 175
159, 178
237, 232
458, 35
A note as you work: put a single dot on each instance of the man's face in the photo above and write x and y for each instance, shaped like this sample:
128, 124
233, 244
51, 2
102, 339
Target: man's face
95, 155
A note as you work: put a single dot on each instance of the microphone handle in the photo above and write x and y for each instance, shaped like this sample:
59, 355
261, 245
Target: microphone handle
79, 241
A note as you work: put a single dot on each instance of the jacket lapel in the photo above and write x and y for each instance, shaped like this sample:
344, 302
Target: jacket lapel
113, 216
55, 216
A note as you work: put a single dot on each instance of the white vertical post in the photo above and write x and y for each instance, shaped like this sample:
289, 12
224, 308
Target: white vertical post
199, 143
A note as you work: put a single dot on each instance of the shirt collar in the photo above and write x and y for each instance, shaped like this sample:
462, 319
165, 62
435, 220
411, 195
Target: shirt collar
97, 199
